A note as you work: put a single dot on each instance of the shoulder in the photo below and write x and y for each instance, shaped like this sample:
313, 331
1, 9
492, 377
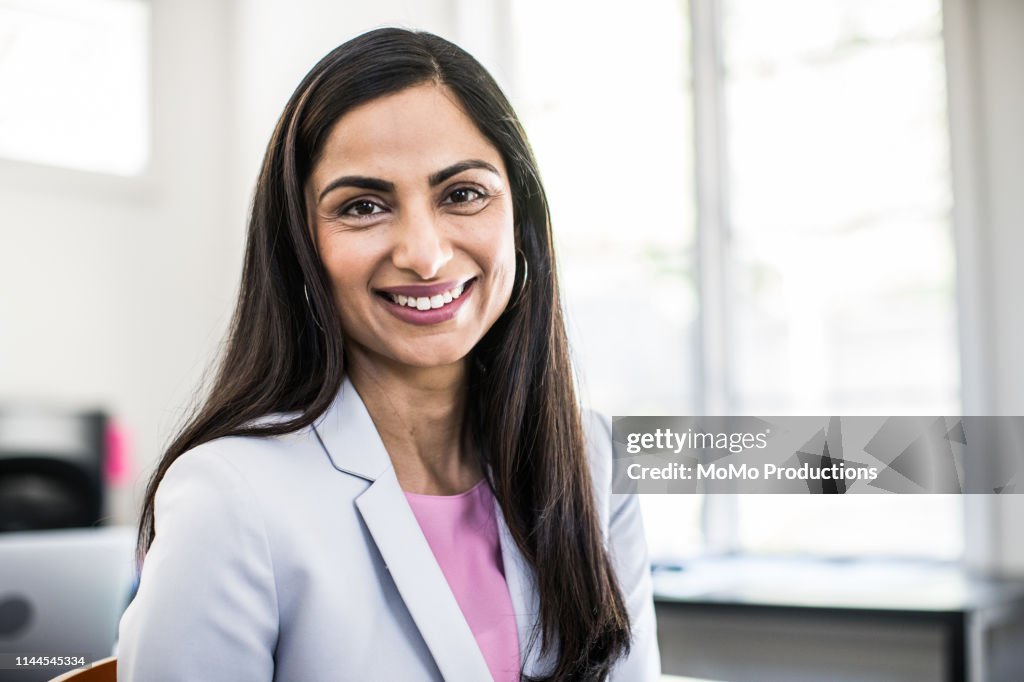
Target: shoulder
226, 481
286, 484
247, 457
213, 479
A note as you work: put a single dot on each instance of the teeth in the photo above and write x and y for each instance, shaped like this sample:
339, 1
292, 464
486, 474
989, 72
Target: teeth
428, 302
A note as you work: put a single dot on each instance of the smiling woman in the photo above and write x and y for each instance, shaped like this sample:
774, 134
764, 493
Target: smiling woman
413, 202
391, 478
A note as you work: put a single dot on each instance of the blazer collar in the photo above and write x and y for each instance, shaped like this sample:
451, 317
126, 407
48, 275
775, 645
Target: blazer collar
348, 435
350, 438
420, 581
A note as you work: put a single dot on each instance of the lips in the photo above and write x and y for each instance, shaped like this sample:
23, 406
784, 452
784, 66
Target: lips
432, 295
426, 304
428, 290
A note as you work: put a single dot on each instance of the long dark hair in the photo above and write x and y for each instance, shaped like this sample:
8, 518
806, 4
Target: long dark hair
285, 352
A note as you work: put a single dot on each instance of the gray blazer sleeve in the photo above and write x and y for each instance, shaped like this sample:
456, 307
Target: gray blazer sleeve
629, 555
627, 547
206, 608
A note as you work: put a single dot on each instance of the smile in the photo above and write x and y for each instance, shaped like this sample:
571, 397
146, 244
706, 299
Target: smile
428, 302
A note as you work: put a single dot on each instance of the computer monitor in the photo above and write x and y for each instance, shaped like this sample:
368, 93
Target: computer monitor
62, 593
51, 467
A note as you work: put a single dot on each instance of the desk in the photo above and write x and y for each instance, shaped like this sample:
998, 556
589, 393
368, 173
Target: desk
904, 593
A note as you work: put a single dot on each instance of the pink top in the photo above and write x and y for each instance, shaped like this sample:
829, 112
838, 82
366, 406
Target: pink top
463, 534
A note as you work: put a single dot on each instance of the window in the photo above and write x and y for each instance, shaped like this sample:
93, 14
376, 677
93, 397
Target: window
74, 79
622, 206
752, 200
841, 246
840, 243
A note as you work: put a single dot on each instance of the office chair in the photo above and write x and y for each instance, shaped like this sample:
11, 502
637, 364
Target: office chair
104, 670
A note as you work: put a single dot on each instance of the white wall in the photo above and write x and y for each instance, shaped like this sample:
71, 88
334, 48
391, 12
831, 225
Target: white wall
275, 43
111, 290
115, 293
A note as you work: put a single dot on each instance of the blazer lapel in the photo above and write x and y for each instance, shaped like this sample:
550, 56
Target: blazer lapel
351, 441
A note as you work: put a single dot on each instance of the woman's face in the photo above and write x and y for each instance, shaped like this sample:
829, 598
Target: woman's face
411, 213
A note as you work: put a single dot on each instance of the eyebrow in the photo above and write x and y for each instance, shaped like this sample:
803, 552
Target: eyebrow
378, 185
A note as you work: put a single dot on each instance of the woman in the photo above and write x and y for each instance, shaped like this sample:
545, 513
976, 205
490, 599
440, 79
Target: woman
390, 478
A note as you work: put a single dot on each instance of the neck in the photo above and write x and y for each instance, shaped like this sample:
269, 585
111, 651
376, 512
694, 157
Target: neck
419, 415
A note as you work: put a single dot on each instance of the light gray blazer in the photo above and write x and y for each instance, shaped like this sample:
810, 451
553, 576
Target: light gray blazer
297, 559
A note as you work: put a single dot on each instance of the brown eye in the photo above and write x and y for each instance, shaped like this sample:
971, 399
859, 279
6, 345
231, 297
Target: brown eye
464, 195
362, 208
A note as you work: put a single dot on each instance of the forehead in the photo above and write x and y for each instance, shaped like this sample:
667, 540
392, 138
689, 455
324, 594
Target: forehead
406, 135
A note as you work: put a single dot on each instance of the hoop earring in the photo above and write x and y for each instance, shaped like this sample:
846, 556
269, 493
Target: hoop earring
309, 306
526, 274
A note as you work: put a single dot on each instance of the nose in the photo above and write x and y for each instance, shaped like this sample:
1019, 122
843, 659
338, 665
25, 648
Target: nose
420, 245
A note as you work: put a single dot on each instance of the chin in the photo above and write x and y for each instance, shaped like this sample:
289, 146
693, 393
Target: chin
432, 358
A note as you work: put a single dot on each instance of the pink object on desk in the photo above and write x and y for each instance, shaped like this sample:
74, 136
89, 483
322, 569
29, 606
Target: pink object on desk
463, 534
117, 464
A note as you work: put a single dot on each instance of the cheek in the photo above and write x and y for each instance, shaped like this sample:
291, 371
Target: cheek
499, 251
340, 268
348, 264
508, 268
504, 275
347, 277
